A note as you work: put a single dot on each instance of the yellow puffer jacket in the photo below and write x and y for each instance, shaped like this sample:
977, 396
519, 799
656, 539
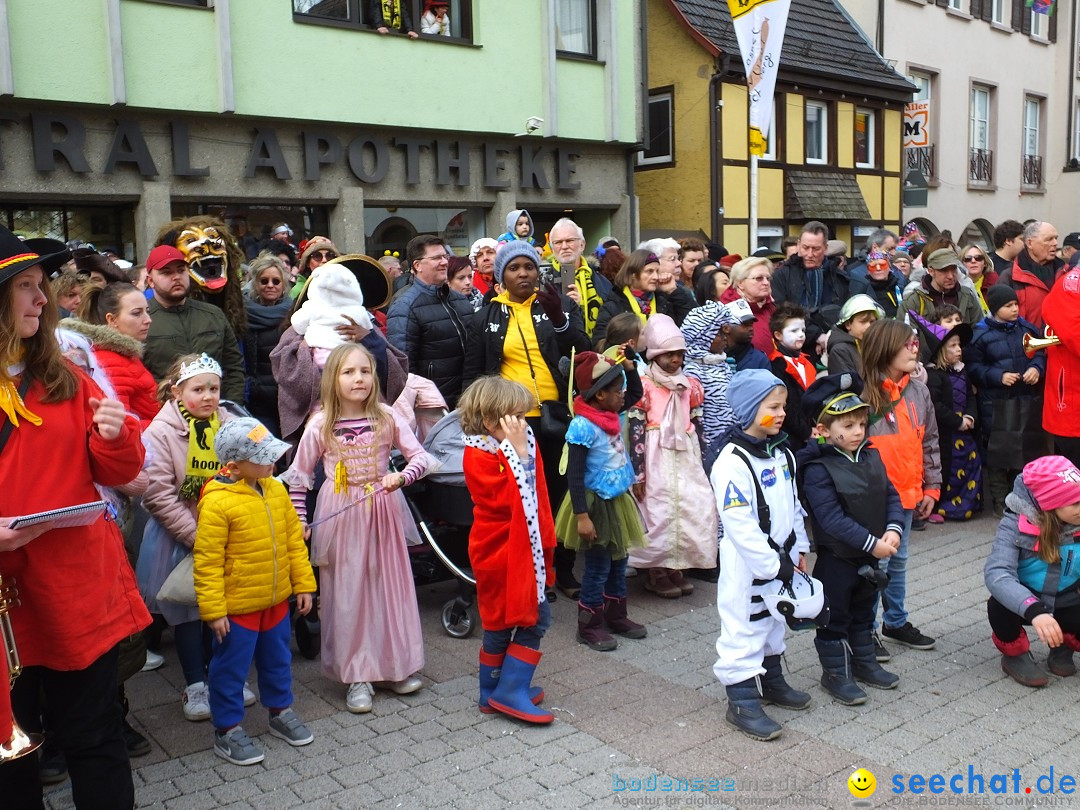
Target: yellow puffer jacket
249, 549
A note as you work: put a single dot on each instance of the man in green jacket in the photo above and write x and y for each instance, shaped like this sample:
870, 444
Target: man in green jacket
180, 325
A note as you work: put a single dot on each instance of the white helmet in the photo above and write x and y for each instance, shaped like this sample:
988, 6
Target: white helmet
802, 598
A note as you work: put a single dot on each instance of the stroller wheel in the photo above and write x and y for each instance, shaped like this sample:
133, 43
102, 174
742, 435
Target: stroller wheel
308, 637
457, 619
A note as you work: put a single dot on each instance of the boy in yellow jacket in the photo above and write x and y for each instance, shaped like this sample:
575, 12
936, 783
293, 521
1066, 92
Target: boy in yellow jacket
249, 559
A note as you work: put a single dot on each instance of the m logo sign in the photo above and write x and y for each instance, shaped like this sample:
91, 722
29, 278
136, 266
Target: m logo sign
916, 124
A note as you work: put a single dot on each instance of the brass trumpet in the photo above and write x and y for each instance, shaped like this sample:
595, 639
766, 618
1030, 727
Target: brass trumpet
1032, 345
20, 744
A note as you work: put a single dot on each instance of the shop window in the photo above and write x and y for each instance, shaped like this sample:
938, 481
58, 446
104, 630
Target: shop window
361, 14
251, 224
865, 138
575, 27
817, 132
392, 228
660, 147
100, 225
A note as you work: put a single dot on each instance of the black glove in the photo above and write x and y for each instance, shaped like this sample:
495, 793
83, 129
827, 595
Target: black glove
787, 568
551, 302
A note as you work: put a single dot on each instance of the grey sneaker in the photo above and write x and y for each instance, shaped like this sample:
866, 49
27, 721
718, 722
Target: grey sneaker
287, 726
236, 747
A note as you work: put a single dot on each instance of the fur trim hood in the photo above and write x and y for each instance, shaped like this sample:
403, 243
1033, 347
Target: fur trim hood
104, 337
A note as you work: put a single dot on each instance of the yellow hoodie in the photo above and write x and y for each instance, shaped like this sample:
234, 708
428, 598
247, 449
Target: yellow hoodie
249, 549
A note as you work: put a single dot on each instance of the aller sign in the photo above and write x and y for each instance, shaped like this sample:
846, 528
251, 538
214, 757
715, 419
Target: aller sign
916, 124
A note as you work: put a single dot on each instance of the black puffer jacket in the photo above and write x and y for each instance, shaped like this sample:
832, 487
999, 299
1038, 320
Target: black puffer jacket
430, 324
487, 332
675, 304
264, 332
789, 284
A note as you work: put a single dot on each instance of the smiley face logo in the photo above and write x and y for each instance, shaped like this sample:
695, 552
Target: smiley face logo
862, 784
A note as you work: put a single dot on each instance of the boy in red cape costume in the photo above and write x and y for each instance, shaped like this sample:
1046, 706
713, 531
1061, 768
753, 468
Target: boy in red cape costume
511, 544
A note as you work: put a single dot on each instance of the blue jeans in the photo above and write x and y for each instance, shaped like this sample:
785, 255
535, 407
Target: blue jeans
229, 667
602, 576
894, 614
496, 641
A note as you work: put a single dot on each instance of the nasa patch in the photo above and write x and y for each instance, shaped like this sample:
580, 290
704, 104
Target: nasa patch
733, 498
768, 478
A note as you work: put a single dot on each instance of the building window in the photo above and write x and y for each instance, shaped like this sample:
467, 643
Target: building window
770, 138
981, 162
997, 11
660, 146
865, 135
1038, 25
1076, 133
361, 14
817, 132
575, 27
1031, 160
955, 4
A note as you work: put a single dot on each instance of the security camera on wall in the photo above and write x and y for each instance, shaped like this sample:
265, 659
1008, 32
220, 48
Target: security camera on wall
532, 124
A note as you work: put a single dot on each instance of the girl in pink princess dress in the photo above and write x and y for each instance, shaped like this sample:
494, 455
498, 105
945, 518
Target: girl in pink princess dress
370, 621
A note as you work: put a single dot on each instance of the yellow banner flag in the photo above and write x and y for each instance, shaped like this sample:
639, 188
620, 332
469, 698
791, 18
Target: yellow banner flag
760, 26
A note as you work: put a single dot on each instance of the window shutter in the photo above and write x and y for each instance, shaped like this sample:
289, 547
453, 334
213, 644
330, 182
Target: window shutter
1025, 21
976, 9
942, 3
1052, 33
1018, 10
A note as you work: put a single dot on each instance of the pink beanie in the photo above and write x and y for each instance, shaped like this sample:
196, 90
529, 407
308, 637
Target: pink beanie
662, 335
1054, 481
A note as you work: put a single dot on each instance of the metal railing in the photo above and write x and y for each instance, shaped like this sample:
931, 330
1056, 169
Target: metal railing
1031, 170
921, 158
981, 166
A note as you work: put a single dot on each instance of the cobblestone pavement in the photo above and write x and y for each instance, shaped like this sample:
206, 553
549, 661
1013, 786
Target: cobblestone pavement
650, 709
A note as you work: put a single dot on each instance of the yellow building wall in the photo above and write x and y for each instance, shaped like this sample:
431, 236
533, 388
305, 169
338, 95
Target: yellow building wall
770, 194
843, 233
845, 135
736, 199
892, 200
736, 239
893, 152
677, 197
796, 128
736, 122
870, 185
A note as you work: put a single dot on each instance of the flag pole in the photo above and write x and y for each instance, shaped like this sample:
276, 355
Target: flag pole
753, 203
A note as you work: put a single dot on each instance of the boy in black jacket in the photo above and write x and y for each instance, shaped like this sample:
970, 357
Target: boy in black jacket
857, 520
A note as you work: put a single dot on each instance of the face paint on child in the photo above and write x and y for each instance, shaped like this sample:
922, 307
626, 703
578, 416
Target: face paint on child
951, 351
793, 335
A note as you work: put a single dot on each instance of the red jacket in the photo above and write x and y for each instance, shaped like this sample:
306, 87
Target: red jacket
1030, 290
77, 591
499, 547
1061, 394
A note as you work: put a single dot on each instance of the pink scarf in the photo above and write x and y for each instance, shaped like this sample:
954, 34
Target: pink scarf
607, 421
672, 426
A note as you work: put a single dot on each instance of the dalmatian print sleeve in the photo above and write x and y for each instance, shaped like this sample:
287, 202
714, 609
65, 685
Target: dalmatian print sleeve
524, 472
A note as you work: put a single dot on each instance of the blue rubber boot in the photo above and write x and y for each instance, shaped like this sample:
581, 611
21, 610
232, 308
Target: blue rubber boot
490, 670
864, 664
836, 678
775, 690
511, 694
744, 711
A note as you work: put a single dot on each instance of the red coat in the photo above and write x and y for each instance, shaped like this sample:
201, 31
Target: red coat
499, 547
1061, 394
77, 590
1030, 290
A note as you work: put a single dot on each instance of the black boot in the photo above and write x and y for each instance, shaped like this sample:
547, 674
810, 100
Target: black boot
836, 672
137, 744
775, 690
864, 664
744, 711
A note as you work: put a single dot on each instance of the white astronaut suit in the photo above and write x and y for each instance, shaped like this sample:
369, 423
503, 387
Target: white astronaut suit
748, 632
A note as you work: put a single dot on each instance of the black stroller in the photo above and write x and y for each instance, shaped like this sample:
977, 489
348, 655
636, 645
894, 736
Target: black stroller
442, 509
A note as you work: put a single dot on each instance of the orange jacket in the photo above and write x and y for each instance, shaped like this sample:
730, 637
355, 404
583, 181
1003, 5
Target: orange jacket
906, 438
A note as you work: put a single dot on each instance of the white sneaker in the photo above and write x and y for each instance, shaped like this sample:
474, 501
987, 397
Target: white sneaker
358, 701
249, 696
153, 661
197, 702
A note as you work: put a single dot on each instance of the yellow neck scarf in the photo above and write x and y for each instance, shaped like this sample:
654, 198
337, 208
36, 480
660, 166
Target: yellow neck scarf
13, 406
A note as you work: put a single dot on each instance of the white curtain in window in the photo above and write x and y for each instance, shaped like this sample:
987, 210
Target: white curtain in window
573, 26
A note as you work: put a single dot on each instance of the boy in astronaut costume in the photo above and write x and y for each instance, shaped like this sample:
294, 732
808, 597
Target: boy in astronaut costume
764, 540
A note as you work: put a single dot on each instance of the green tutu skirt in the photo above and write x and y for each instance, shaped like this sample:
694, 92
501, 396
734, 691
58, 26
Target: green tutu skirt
617, 522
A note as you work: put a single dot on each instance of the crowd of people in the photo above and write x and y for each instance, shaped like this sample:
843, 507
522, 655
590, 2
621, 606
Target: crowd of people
671, 411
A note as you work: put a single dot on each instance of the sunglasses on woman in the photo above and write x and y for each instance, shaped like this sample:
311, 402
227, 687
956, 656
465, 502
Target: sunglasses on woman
272, 281
973, 258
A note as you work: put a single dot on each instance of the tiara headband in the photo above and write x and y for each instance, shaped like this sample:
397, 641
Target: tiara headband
204, 365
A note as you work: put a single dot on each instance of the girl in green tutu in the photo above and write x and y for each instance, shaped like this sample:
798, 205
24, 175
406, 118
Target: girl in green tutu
598, 516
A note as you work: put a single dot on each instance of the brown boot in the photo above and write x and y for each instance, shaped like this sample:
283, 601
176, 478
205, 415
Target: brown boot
590, 629
660, 583
680, 582
615, 616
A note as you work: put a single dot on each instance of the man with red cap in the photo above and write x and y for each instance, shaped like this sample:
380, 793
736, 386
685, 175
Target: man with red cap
181, 325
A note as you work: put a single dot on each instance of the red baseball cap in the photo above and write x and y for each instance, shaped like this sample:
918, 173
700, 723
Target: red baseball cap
163, 255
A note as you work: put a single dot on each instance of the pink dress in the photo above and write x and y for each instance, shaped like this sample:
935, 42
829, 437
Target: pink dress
370, 620
678, 509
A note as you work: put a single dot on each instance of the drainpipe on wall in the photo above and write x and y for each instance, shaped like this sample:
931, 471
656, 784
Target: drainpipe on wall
551, 124
643, 106
1070, 119
7, 74
714, 163
879, 33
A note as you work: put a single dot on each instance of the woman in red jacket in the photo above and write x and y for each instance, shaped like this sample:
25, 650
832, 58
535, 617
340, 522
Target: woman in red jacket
115, 319
78, 597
